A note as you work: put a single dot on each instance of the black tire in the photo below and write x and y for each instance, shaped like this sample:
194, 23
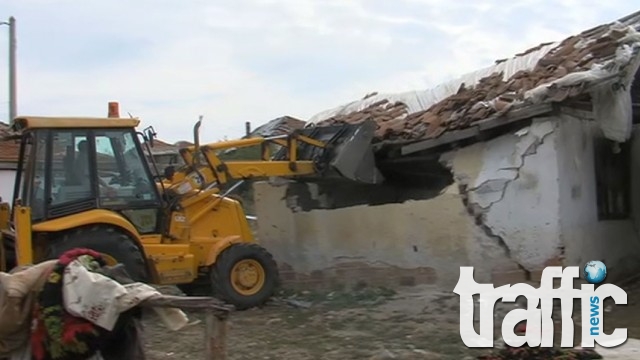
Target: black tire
200, 287
106, 240
221, 274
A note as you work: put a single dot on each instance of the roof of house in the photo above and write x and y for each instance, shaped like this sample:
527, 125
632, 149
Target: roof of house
550, 72
9, 149
280, 126
183, 143
160, 147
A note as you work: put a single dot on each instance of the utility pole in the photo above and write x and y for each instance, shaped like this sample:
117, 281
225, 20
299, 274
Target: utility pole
13, 103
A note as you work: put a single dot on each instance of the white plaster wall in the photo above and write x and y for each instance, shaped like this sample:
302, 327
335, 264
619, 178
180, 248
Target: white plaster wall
436, 233
7, 179
635, 177
515, 186
585, 238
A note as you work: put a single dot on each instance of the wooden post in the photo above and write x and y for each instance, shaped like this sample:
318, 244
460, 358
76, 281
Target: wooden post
215, 321
216, 337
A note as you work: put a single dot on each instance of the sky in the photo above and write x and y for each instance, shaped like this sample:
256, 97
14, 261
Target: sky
232, 61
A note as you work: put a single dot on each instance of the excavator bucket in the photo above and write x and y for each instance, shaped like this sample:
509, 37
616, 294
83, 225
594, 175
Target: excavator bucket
348, 152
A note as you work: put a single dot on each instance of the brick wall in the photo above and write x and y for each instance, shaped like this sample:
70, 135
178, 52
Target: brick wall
348, 274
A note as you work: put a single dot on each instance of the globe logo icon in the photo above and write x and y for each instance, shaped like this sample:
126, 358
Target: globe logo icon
595, 272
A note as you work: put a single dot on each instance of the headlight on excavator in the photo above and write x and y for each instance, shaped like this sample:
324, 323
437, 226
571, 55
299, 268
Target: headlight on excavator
184, 187
191, 182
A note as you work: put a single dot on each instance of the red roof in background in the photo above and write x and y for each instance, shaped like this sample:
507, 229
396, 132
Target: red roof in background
9, 149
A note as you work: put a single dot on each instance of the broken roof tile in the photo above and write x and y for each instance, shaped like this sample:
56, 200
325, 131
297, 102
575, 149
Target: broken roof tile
279, 126
493, 94
9, 148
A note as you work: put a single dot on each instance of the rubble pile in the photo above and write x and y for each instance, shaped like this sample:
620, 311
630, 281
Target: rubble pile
493, 96
528, 353
506, 352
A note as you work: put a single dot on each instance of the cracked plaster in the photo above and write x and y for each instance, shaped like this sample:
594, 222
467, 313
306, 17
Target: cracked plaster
508, 180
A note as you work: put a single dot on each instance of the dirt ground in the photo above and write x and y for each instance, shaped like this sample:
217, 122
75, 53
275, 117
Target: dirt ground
369, 323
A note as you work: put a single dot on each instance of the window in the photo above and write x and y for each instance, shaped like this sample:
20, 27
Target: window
71, 179
613, 179
122, 174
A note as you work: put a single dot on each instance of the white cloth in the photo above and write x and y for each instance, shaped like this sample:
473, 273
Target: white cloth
100, 299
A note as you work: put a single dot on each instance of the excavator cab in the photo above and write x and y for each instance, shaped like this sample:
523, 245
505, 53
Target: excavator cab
67, 173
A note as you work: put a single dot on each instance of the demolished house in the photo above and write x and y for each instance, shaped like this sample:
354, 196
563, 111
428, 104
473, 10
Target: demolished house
279, 126
531, 162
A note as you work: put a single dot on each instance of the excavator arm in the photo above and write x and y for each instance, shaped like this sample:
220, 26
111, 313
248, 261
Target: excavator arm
342, 151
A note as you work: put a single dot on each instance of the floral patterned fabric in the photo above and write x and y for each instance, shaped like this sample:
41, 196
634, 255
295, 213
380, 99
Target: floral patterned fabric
99, 298
56, 334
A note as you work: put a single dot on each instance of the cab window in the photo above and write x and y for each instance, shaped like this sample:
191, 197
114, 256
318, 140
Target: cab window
123, 178
70, 180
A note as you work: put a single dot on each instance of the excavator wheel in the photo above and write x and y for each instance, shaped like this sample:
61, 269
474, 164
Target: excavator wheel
245, 276
114, 245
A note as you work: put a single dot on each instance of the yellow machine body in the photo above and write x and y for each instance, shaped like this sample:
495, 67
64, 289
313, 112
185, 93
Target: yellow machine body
181, 227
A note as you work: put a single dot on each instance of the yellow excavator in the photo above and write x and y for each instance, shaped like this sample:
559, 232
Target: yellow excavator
88, 183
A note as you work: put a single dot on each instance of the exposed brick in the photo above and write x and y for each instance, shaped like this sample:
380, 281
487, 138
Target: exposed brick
556, 261
506, 266
536, 275
407, 281
349, 274
499, 278
287, 276
317, 275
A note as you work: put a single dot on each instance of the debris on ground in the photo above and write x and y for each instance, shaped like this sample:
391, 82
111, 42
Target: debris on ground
361, 295
420, 322
298, 303
529, 353
506, 352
